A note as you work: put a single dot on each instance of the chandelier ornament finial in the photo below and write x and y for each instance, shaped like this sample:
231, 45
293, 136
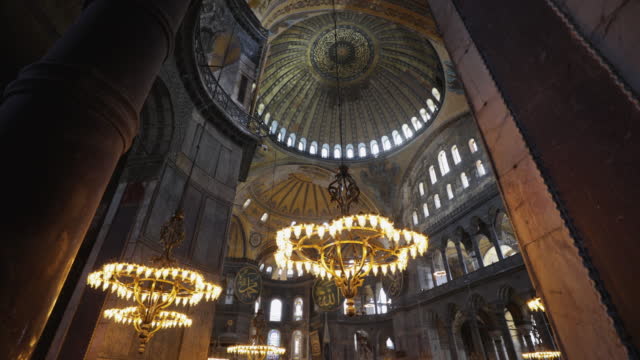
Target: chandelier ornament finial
344, 190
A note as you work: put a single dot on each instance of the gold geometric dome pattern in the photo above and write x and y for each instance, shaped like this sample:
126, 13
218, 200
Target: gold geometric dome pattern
391, 82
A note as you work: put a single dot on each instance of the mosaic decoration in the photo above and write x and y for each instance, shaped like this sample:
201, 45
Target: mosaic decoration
354, 48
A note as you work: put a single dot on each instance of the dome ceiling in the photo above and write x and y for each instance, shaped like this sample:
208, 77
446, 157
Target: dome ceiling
391, 85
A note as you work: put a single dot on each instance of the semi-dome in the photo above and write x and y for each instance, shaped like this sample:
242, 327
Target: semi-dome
391, 86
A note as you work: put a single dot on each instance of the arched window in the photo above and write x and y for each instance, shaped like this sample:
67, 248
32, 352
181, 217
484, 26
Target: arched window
337, 151
260, 109
350, 152
455, 154
465, 181
264, 217
397, 139
442, 161
325, 151
275, 310
425, 210
407, 131
421, 188
432, 174
417, 125
386, 144
228, 296
256, 305
269, 270
375, 150
390, 344
302, 145
274, 127
435, 93
289, 273
273, 339
473, 146
313, 149
267, 118
282, 134
296, 345
431, 105
480, 168
425, 115
291, 140
383, 302
415, 218
362, 150
436, 201
449, 191
246, 204
298, 311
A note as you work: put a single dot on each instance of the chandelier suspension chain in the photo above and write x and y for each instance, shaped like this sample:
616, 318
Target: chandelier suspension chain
338, 97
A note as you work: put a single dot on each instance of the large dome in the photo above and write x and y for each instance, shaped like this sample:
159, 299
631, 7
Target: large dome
391, 86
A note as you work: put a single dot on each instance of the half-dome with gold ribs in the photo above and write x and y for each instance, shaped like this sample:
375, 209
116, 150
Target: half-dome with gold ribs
391, 86
347, 249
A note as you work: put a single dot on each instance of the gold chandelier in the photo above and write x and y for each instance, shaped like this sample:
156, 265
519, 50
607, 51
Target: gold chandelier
542, 355
350, 247
256, 349
154, 288
536, 304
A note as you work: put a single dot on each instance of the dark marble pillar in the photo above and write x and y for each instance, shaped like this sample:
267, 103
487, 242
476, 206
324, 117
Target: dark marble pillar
453, 347
506, 334
498, 345
477, 339
447, 268
463, 264
64, 124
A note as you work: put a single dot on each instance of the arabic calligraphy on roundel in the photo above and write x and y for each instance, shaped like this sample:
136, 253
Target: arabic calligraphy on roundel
248, 285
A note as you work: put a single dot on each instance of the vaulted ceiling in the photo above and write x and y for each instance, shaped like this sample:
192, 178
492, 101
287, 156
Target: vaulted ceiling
387, 75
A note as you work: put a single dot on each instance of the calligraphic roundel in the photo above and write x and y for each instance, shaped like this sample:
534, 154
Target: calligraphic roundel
248, 285
326, 295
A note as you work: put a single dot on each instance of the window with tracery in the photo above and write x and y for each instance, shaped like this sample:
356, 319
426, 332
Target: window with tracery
386, 144
362, 150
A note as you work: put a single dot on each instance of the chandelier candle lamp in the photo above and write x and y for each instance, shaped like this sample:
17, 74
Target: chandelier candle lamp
154, 288
349, 248
256, 349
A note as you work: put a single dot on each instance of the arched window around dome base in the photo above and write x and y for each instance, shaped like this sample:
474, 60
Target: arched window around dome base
421, 188
350, 153
397, 139
313, 149
337, 151
432, 174
425, 115
362, 150
291, 140
375, 150
386, 144
302, 145
436, 94
407, 131
417, 125
324, 153
274, 127
443, 162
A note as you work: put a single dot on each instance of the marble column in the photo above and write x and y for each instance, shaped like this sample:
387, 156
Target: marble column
463, 264
478, 254
477, 338
506, 334
64, 124
524, 330
498, 345
453, 347
445, 262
